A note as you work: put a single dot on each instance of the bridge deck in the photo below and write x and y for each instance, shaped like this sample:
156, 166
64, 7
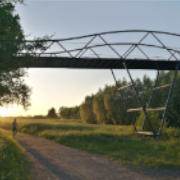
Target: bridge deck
91, 63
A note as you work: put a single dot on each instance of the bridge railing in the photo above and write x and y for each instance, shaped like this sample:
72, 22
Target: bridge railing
93, 47
127, 44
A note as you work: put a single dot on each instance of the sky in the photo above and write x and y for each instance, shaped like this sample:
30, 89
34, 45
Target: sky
63, 19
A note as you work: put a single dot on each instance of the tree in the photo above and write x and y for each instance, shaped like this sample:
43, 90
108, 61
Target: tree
86, 112
113, 106
69, 113
173, 118
12, 87
52, 113
99, 109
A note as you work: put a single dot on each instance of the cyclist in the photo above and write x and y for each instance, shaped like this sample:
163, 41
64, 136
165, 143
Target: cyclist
14, 127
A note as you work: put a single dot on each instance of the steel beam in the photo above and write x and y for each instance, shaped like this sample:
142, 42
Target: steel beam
168, 99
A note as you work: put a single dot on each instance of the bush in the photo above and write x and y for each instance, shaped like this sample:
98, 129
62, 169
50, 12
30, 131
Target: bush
171, 133
154, 119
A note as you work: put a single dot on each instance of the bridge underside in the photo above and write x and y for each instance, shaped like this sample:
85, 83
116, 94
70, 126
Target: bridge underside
90, 63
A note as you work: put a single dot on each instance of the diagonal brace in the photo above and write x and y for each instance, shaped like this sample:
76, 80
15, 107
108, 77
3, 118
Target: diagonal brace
163, 45
150, 99
168, 100
138, 96
110, 47
134, 46
129, 116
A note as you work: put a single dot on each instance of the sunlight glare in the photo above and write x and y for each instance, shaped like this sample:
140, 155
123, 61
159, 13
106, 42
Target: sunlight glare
3, 111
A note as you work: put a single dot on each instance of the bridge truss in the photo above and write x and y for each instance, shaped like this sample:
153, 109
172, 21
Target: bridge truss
73, 54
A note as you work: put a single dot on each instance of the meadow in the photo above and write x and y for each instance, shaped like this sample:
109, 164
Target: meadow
13, 161
116, 142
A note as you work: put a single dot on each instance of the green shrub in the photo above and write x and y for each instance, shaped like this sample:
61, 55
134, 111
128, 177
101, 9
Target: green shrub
171, 133
154, 119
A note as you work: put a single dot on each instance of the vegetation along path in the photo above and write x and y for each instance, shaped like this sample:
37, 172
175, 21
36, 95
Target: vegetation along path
53, 161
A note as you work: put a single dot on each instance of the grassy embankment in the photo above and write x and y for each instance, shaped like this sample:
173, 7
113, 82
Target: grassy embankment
115, 142
13, 162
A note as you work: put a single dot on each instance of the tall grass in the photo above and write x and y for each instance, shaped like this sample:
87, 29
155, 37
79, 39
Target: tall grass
115, 142
13, 162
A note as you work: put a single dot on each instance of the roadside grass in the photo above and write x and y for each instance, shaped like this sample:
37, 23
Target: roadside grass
13, 162
115, 142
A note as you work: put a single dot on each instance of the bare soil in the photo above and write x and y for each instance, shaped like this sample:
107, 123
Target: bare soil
53, 161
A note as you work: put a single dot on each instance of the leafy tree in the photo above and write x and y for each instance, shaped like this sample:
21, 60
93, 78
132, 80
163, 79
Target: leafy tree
52, 113
173, 117
69, 113
66, 113
116, 113
12, 87
86, 112
99, 109
75, 113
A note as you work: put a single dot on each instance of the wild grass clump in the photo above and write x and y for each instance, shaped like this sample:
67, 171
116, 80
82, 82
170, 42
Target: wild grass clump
13, 162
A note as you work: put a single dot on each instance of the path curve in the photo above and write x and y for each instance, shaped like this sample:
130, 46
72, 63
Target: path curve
53, 161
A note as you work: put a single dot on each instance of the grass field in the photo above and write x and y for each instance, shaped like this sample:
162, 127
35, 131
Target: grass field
115, 142
13, 162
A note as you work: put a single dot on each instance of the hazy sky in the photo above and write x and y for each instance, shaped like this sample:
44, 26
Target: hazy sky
68, 87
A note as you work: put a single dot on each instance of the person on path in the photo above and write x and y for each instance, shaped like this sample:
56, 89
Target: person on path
14, 127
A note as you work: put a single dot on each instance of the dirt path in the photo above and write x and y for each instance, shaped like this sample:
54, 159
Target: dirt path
52, 161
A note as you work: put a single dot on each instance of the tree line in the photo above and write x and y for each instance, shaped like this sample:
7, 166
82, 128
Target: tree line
107, 107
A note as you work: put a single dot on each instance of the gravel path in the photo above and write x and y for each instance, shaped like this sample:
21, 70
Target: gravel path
53, 161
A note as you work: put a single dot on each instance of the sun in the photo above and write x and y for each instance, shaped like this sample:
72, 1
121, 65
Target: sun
3, 111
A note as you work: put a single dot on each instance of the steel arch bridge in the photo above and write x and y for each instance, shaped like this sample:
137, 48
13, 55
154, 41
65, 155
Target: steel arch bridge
77, 57
73, 53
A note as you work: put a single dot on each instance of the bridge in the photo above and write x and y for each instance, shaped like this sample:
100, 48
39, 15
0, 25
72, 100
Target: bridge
100, 51
77, 56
